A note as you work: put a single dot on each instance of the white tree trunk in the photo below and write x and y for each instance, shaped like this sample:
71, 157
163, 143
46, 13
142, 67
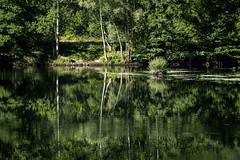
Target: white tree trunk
119, 40
106, 40
103, 39
127, 43
57, 30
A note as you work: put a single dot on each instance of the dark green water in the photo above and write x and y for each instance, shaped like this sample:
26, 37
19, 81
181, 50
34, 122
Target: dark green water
63, 113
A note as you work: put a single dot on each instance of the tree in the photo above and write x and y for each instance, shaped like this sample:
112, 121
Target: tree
57, 30
103, 36
21, 30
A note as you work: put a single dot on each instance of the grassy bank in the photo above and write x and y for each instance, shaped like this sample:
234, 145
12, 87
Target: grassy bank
76, 51
90, 50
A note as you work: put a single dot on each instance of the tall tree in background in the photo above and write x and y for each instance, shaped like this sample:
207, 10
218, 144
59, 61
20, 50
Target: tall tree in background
57, 30
103, 37
96, 5
141, 30
26, 30
186, 30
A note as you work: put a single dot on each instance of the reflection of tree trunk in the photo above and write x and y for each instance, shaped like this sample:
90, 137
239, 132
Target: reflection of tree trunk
149, 143
103, 39
157, 140
110, 81
101, 109
103, 91
129, 143
57, 30
58, 124
119, 90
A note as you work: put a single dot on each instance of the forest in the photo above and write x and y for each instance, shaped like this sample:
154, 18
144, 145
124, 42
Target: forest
124, 31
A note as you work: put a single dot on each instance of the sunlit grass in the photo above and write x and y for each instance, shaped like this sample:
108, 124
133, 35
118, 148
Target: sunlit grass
158, 63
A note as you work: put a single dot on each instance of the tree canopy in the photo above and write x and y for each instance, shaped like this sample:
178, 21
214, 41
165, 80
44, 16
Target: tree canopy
133, 30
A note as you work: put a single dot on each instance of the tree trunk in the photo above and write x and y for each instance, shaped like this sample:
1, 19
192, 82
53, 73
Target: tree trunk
128, 35
120, 43
103, 39
57, 30
128, 45
106, 40
119, 39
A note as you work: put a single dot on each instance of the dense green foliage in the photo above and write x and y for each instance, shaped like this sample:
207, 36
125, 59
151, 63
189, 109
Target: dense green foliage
26, 30
196, 30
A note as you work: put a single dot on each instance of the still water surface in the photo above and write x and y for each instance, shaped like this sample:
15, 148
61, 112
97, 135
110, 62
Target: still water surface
117, 113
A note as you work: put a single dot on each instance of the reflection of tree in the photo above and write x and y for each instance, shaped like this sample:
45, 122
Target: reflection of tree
159, 98
182, 98
26, 115
101, 108
166, 119
58, 114
119, 91
166, 139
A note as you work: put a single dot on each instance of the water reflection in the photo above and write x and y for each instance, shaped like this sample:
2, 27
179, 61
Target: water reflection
105, 113
58, 114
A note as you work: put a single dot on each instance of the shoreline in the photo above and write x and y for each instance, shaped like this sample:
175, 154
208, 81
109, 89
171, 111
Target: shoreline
83, 64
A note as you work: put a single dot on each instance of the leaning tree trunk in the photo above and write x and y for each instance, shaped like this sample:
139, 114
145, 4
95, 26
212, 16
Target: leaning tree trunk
103, 39
119, 39
57, 30
106, 40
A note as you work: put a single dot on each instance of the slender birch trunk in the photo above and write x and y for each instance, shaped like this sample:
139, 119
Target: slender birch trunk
57, 30
106, 40
120, 43
128, 35
103, 39
119, 39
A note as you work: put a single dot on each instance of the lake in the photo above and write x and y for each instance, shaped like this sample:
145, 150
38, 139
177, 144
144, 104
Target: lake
119, 113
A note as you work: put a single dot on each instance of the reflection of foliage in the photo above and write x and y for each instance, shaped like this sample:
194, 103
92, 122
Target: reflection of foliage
166, 138
170, 118
4, 93
157, 86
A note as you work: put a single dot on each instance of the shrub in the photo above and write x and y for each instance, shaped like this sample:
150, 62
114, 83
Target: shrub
27, 59
158, 63
61, 59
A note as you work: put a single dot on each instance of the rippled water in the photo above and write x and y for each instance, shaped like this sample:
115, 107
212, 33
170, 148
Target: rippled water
119, 113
